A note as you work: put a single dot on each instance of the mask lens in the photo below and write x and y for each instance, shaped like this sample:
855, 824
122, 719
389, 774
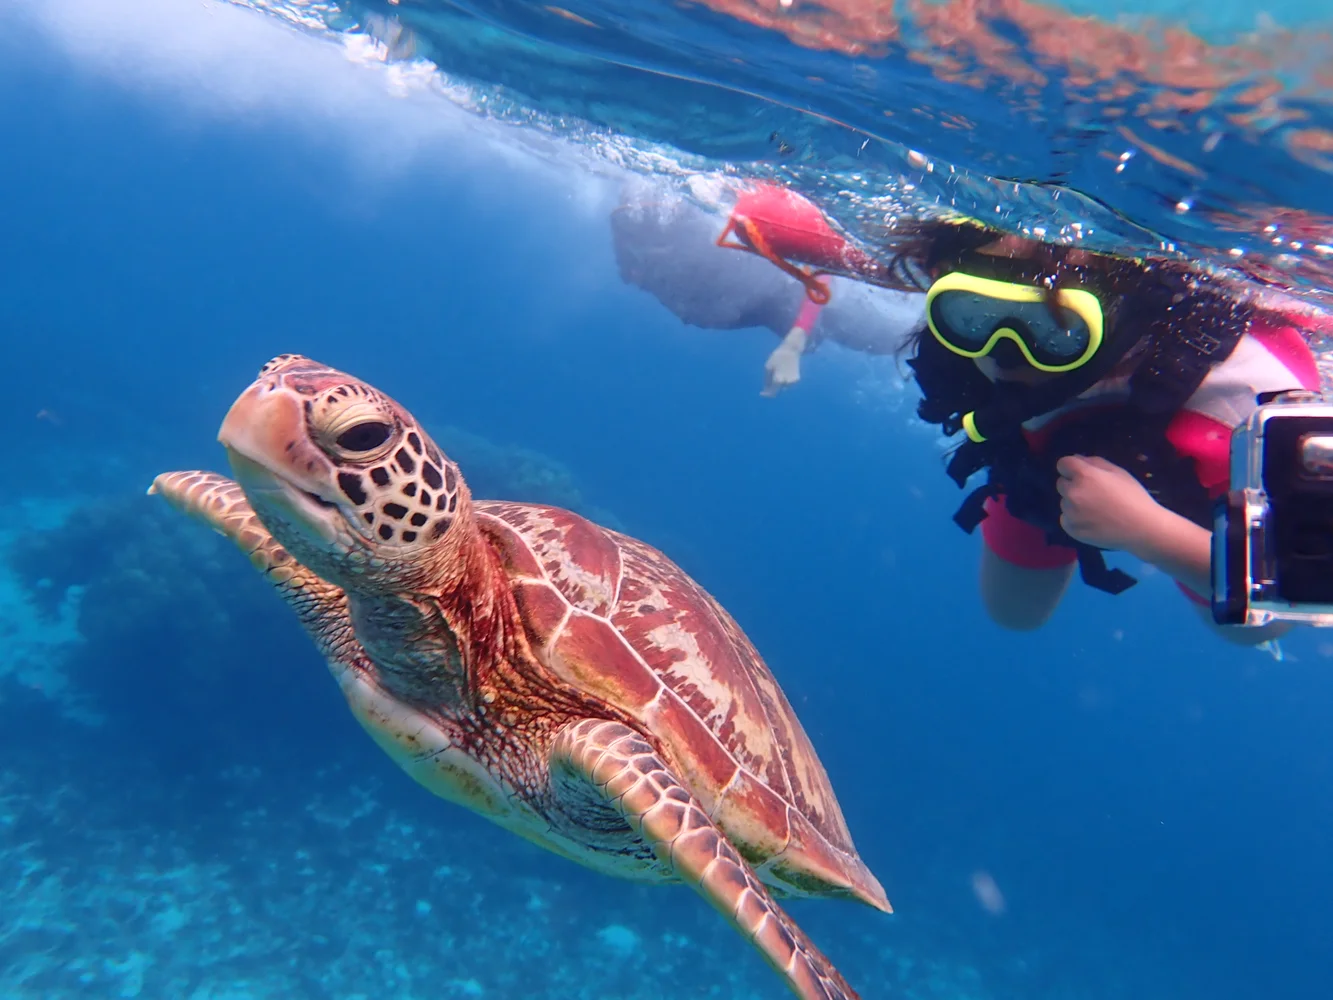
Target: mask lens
969, 319
1061, 341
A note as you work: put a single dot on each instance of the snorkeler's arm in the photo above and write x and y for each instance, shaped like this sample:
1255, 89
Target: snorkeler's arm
783, 367
1182, 549
1178, 547
1103, 505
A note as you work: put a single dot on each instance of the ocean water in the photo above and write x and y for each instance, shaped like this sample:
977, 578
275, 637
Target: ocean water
1116, 806
1128, 124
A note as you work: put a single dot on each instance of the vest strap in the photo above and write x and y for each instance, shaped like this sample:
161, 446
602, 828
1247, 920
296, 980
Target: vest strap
972, 511
970, 457
1097, 575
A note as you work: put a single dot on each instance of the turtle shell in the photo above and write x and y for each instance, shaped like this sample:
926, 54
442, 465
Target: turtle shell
621, 622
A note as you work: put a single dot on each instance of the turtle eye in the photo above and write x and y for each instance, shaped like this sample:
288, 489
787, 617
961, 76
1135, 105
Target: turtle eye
365, 436
351, 427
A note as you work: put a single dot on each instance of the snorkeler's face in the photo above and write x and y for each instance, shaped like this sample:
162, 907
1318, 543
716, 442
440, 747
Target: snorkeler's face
1024, 373
1007, 306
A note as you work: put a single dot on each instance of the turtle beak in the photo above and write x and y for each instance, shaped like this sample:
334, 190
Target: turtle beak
274, 460
266, 426
261, 421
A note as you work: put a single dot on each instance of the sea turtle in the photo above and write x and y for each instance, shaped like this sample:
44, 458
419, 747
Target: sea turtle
566, 681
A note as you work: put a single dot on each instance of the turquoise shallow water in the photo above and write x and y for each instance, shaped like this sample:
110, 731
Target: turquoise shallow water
1116, 806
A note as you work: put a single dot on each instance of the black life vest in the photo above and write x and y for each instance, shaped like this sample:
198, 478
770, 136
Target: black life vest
1130, 433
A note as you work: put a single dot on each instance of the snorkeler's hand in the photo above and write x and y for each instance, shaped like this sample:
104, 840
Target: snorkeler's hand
1103, 505
783, 367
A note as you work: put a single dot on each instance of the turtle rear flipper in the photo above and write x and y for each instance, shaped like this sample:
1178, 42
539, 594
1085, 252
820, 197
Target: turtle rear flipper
221, 504
630, 775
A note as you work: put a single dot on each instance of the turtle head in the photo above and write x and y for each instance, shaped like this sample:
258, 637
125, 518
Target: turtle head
343, 477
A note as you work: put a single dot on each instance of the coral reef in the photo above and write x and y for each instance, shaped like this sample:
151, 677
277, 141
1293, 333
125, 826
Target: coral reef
38, 623
349, 890
207, 822
166, 618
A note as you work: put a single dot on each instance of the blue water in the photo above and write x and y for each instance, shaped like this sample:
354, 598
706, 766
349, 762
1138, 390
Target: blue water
188, 810
1204, 129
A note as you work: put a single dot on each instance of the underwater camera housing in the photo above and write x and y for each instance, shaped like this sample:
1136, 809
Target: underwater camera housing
1272, 554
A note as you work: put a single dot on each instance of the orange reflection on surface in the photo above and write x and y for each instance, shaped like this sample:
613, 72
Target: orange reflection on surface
1315, 140
1160, 155
569, 15
1312, 146
852, 27
1161, 76
970, 42
1088, 50
1304, 239
1267, 117
961, 27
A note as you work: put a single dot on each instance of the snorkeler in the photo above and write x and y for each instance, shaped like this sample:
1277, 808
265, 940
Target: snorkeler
1098, 395
686, 258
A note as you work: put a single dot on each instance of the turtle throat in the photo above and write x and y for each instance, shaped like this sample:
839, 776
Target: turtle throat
436, 642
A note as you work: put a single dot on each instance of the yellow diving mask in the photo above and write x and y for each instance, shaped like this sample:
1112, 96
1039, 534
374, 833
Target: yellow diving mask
970, 315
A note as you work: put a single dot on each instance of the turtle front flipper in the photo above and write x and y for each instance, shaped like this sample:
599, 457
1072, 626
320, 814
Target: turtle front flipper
221, 504
625, 770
